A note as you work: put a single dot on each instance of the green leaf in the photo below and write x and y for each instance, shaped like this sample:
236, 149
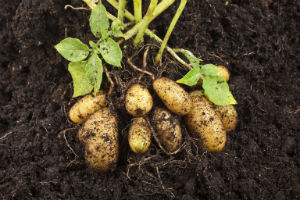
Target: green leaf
72, 49
81, 82
193, 60
192, 77
94, 71
116, 30
209, 70
217, 90
111, 52
95, 47
99, 21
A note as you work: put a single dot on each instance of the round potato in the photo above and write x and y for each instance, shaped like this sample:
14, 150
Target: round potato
138, 100
175, 98
168, 129
139, 136
223, 72
86, 106
100, 135
228, 116
204, 123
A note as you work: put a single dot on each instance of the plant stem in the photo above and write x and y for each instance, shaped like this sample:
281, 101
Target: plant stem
161, 7
170, 50
170, 29
137, 6
90, 3
121, 10
129, 16
145, 23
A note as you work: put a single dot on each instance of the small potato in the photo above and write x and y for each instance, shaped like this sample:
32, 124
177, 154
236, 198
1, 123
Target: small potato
203, 122
138, 100
139, 136
168, 129
228, 116
223, 72
100, 135
175, 98
86, 106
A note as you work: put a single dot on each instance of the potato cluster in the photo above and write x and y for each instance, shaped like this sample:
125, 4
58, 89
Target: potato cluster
99, 133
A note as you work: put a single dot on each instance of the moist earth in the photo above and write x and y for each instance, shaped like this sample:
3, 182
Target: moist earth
42, 158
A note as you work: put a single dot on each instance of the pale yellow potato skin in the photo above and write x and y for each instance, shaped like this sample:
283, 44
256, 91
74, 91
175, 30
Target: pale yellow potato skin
175, 98
86, 106
223, 72
228, 116
139, 135
168, 129
100, 135
204, 123
138, 100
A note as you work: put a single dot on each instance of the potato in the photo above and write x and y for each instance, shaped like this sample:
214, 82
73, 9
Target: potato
168, 129
138, 100
175, 98
139, 136
223, 72
228, 116
86, 106
204, 123
100, 135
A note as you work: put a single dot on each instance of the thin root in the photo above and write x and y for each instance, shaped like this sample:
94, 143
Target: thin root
112, 84
63, 133
140, 70
144, 62
75, 8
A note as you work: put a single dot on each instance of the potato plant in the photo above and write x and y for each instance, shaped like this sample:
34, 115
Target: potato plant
208, 114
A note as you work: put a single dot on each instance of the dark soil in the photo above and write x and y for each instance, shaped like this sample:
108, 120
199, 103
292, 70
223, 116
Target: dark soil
257, 40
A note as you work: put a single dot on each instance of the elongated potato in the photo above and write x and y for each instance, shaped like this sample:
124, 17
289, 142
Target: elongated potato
86, 106
175, 98
203, 122
100, 135
168, 129
139, 136
138, 100
228, 116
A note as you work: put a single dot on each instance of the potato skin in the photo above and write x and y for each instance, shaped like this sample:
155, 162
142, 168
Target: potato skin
139, 136
168, 129
204, 123
100, 135
228, 116
175, 98
138, 100
223, 72
86, 106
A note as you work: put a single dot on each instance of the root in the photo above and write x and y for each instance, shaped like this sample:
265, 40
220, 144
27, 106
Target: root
63, 133
140, 70
112, 84
75, 8
144, 63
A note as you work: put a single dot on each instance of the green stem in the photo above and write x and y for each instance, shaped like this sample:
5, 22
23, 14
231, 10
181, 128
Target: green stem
129, 16
170, 50
121, 10
137, 6
169, 31
145, 23
90, 3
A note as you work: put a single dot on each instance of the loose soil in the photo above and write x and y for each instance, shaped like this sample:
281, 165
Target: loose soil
41, 157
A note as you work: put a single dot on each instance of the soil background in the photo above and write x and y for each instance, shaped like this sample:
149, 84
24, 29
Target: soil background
257, 40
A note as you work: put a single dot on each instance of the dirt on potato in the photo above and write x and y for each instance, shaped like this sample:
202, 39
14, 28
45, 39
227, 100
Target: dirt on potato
42, 158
